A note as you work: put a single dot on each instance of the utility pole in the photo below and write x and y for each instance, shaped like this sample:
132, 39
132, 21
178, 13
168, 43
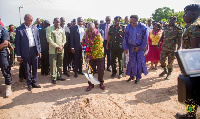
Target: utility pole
20, 14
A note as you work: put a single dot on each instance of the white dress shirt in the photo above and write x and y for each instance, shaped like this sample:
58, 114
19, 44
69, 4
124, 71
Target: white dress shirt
81, 32
30, 36
106, 35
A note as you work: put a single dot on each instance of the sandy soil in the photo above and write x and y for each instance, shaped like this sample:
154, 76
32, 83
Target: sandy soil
152, 98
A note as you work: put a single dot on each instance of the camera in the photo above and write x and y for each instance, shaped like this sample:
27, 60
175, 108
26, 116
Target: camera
189, 79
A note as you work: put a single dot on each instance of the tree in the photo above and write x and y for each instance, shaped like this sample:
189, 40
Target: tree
143, 20
162, 13
89, 20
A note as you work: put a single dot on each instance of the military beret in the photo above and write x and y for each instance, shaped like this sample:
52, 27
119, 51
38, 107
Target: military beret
117, 18
173, 17
47, 22
192, 7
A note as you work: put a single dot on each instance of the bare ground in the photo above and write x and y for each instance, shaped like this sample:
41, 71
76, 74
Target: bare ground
152, 98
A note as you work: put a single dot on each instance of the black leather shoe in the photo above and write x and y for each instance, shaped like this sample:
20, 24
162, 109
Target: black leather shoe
113, 75
129, 79
75, 75
60, 79
29, 87
20, 79
185, 116
137, 81
81, 73
36, 86
53, 81
120, 76
108, 69
67, 74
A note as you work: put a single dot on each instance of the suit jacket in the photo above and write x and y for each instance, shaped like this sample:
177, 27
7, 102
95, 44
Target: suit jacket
103, 27
101, 32
74, 37
22, 41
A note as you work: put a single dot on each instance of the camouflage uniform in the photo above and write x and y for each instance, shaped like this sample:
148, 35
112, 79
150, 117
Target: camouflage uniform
191, 33
12, 52
116, 49
171, 36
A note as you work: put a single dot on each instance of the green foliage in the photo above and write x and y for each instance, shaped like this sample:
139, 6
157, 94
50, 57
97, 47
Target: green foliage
163, 14
142, 20
89, 20
122, 20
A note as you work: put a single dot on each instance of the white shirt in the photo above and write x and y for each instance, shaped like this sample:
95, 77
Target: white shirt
81, 32
149, 28
30, 36
106, 31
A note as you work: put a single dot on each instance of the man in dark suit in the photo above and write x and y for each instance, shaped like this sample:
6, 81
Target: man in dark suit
28, 48
76, 36
44, 48
105, 27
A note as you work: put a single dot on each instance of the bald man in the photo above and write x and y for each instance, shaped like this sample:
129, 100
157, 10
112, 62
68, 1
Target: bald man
27, 43
76, 36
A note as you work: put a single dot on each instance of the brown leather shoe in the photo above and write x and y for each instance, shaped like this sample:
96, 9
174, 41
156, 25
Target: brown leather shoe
89, 87
102, 86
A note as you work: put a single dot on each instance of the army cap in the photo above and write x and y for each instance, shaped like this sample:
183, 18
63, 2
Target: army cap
117, 18
74, 20
173, 18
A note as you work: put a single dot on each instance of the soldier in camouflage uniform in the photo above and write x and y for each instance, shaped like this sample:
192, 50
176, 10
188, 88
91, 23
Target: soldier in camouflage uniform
191, 39
171, 37
115, 38
12, 45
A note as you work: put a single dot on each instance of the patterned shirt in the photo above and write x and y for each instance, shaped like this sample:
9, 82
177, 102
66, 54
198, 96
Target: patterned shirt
171, 36
154, 38
192, 33
95, 45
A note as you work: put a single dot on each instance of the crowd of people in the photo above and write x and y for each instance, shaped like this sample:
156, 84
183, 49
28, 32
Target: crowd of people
57, 49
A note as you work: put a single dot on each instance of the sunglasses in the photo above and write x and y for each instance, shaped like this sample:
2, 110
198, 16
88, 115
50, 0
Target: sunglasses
133, 22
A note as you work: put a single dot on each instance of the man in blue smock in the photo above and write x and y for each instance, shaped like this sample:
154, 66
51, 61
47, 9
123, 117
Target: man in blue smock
135, 41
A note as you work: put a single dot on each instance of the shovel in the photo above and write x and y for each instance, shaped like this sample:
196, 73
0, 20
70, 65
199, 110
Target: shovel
89, 75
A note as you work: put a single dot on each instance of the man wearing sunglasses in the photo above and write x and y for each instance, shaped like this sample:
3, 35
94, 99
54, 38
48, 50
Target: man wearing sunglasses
135, 41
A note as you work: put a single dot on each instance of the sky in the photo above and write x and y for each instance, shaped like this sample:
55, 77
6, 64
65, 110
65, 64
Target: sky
96, 9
